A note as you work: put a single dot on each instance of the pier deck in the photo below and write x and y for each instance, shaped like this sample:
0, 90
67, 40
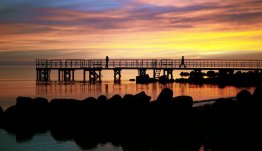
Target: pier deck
66, 67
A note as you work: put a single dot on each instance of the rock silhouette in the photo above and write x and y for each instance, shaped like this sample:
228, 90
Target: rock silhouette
168, 123
1, 116
165, 95
224, 77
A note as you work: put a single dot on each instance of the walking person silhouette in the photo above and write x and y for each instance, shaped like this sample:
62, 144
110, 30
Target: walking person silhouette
107, 60
182, 63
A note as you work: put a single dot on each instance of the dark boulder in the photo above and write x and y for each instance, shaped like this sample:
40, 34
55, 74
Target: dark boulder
184, 74
64, 104
62, 109
10, 118
164, 79
244, 96
1, 110
258, 93
25, 108
89, 104
135, 104
129, 99
1, 115
224, 108
143, 79
257, 101
142, 99
165, 95
163, 106
101, 109
41, 104
89, 101
10, 112
196, 76
115, 106
183, 102
41, 108
102, 99
115, 100
89, 108
24, 102
247, 105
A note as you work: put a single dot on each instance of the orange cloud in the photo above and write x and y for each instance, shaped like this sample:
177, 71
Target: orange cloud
159, 28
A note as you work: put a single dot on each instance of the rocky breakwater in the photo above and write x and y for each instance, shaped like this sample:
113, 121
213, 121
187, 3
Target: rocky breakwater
136, 123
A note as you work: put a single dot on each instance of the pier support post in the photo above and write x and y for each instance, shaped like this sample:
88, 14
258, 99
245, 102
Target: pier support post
95, 74
43, 75
37, 75
73, 75
99, 77
47, 76
117, 75
90, 73
156, 73
67, 75
59, 76
84, 76
168, 73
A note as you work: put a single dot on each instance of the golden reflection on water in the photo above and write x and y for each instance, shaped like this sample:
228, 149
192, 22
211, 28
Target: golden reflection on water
80, 90
21, 81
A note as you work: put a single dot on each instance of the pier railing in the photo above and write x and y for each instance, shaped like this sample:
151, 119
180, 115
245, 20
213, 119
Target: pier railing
148, 63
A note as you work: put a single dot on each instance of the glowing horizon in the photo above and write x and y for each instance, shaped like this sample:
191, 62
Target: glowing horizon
129, 29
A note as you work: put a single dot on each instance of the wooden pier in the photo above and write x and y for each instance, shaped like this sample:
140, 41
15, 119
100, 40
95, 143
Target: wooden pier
66, 68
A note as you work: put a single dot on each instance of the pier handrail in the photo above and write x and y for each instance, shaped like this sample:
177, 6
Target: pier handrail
149, 63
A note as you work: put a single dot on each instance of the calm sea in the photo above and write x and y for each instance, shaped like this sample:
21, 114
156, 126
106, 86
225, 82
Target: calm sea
21, 81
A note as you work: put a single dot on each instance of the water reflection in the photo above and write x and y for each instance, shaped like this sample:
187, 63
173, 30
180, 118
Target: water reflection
79, 90
45, 141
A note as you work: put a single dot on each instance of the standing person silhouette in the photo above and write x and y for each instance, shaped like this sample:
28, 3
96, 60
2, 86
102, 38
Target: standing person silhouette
182, 62
107, 60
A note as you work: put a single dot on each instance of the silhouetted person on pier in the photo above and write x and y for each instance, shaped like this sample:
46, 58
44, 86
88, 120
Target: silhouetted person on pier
107, 60
182, 63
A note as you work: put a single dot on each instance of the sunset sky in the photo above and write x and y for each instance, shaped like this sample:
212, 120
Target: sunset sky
31, 29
